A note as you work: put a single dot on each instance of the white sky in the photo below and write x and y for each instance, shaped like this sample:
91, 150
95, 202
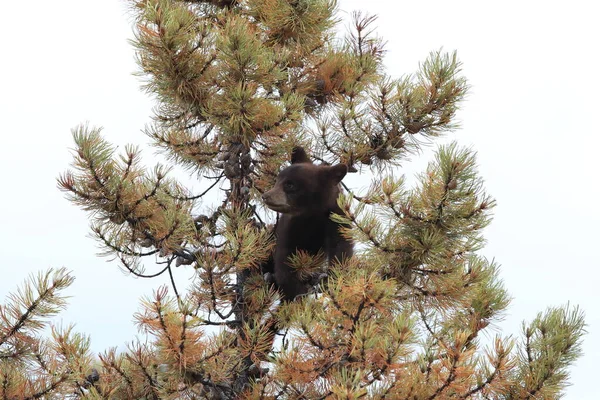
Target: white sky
533, 67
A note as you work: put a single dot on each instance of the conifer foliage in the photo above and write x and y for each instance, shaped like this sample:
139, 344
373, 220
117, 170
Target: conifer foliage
238, 84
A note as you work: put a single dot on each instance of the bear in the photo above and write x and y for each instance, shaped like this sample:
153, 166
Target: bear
305, 194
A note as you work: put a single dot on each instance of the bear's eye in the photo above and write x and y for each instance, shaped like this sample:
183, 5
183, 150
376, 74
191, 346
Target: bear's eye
289, 186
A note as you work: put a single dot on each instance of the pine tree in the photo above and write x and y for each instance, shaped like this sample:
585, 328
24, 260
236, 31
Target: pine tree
238, 84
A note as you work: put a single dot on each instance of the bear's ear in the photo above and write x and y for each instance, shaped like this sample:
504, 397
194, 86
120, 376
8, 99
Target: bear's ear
299, 155
337, 172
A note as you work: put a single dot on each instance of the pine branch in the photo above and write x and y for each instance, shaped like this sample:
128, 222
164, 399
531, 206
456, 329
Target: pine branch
25, 311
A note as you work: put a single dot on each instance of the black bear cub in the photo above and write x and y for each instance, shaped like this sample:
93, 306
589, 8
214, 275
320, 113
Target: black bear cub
305, 194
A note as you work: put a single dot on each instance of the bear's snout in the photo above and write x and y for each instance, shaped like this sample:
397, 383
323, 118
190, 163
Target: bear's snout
276, 200
268, 197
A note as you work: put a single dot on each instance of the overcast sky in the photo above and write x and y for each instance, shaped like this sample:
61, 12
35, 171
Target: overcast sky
531, 117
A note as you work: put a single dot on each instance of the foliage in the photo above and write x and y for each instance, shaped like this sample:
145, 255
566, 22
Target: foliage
32, 367
238, 84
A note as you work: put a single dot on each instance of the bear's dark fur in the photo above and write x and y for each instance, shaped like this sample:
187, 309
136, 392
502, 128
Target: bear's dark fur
305, 194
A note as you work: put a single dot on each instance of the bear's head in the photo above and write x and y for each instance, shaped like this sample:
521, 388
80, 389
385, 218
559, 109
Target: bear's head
304, 188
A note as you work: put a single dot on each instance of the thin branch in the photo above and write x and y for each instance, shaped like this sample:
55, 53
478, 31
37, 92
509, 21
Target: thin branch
186, 198
173, 282
138, 274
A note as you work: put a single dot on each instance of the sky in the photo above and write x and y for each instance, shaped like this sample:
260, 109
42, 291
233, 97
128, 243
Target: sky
530, 115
